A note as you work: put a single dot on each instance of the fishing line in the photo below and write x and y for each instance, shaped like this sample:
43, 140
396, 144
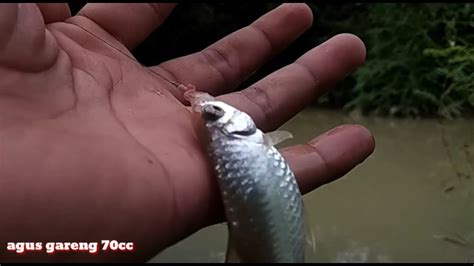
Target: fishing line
174, 83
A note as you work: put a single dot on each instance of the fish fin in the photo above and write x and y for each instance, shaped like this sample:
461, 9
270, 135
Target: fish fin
275, 137
231, 256
309, 234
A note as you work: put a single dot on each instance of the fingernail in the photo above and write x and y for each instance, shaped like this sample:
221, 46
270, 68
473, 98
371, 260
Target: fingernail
345, 146
328, 133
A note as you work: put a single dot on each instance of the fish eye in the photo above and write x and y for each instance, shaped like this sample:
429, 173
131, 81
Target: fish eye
212, 112
246, 132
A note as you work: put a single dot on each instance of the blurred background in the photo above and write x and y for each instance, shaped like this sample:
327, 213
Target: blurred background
413, 199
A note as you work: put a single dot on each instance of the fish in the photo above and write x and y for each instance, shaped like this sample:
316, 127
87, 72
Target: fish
263, 204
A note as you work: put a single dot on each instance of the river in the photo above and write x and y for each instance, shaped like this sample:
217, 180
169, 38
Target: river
412, 200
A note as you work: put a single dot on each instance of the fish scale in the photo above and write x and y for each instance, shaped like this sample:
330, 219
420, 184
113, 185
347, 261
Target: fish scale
264, 225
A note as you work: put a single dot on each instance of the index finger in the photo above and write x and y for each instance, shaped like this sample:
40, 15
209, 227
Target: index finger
130, 23
225, 64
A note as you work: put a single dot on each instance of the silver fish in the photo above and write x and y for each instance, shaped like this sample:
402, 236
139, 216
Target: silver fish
262, 201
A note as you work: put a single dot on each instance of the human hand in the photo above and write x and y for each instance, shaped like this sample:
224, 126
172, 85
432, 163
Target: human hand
88, 152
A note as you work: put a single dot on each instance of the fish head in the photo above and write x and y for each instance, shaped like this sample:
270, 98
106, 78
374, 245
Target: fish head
230, 121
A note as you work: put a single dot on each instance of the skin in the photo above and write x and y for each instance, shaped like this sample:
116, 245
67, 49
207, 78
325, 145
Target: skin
88, 152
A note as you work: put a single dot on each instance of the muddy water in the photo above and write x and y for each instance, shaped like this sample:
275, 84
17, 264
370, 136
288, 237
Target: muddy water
411, 201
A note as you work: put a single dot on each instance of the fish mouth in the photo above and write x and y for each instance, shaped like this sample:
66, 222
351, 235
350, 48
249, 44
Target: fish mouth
198, 99
212, 112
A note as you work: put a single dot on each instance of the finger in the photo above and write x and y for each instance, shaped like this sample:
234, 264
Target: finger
329, 156
129, 23
223, 65
24, 43
279, 96
54, 12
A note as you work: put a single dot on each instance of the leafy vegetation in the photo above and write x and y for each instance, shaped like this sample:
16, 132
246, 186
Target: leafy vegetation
420, 59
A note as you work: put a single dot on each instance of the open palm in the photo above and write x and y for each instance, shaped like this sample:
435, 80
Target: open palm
89, 152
